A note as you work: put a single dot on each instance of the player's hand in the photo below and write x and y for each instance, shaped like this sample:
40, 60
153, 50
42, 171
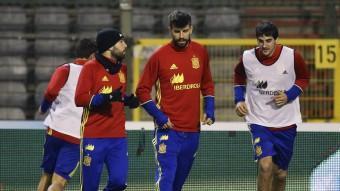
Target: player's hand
206, 120
131, 101
280, 99
241, 109
167, 125
116, 95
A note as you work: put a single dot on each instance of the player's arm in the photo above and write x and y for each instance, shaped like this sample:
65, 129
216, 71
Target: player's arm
143, 92
301, 82
302, 77
85, 95
130, 100
207, 89
58, 80
240, 89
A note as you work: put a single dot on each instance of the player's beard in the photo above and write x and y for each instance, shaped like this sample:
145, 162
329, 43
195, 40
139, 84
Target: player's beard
119, 55
182, 42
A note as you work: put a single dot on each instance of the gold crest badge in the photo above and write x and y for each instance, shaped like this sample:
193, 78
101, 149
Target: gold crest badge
195, 62
121, 77
258, 150
162, 148
87, 160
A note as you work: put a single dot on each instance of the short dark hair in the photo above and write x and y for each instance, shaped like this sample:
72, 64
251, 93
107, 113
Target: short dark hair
266, 28
85, 47
179, 19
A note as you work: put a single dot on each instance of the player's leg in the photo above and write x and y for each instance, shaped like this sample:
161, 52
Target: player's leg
117, 164
279, 179
284, 146
58, 183
265, 174
66, 165
166, 150
51, 151
185, 158
92, 158
263, 152
44, 182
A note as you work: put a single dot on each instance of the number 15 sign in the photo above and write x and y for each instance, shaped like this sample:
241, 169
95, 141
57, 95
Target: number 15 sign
327, 53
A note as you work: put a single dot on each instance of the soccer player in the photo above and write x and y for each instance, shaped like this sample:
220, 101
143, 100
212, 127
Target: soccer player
180, 72
100, 91
268, 82
61, 148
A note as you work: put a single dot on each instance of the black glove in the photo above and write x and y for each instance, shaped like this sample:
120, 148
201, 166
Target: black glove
115, 95
131, 101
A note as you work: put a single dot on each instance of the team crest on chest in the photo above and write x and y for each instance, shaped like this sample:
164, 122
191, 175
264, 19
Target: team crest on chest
195, 62
121, 77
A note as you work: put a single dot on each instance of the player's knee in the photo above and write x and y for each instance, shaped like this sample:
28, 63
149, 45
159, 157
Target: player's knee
56, 187
59, 180
281, 175
265, 167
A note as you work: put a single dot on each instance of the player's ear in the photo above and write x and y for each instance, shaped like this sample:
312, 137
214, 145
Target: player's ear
191, 29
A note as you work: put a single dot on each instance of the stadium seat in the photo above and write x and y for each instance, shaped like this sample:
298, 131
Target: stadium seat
223, 34
39, 92
46, 65
223, 20
143, 22
51, 18
52, 44
13, 94
13, 68
12, 18
143, 19
87, 34
96, 18
9, 113
13, 46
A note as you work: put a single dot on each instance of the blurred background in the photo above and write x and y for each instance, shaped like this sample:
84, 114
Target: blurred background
36, 36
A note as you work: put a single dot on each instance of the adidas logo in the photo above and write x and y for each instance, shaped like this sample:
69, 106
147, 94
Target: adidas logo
173, 67
105, 79
285, 72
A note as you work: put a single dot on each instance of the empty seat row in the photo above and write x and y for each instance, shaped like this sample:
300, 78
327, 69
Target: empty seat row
12, 113
222, 21
57, 18
16, 69
13, 94
13, 68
